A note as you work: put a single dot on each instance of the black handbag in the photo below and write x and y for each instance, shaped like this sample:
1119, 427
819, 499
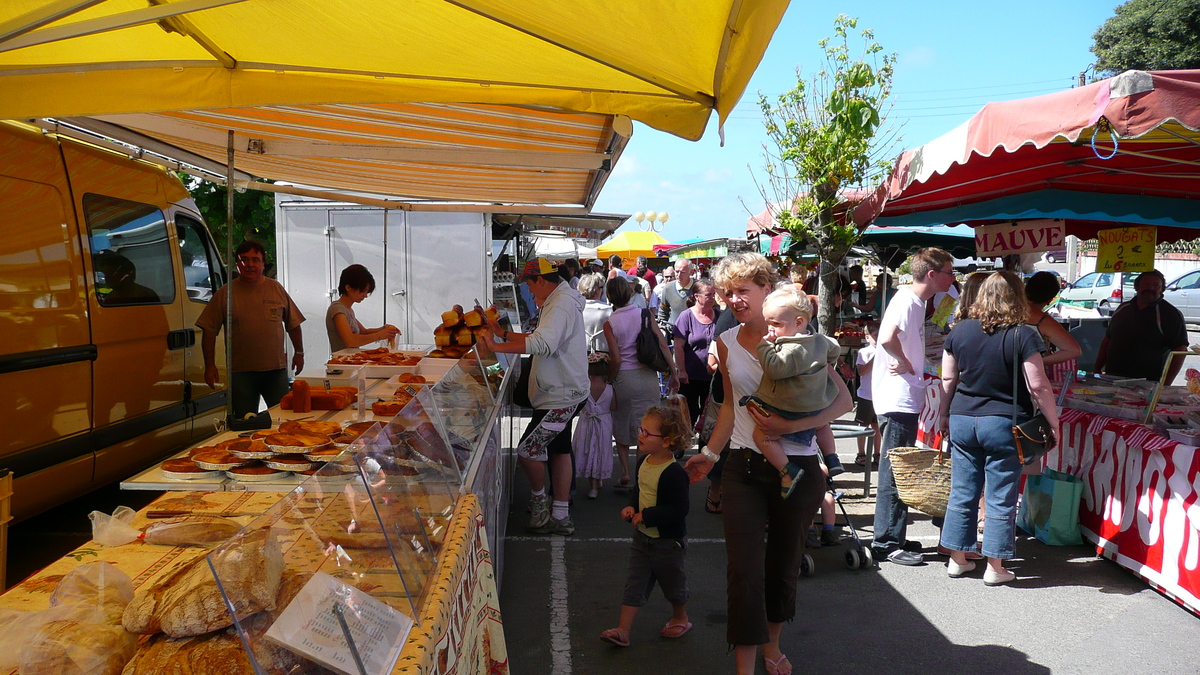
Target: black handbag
1035, 437
520, 392
649, 353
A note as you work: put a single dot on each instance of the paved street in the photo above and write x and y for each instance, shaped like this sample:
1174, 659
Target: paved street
1068, 612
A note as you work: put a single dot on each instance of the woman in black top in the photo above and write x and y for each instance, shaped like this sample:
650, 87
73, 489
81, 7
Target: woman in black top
983, 355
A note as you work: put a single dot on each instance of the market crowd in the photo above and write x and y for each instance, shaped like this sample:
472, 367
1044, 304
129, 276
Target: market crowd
731, 357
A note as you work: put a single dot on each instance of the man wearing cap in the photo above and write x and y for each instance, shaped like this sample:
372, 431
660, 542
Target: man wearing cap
558, 386
1142, 332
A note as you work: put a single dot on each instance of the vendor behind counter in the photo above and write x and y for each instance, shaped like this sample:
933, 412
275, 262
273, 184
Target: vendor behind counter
1142, 332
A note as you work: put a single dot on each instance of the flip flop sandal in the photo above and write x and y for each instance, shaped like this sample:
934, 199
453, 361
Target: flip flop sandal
674, 630
613, 637
712, 505
780, 666
860, 460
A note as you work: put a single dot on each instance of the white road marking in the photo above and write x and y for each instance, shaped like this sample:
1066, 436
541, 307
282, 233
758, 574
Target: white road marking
560, 615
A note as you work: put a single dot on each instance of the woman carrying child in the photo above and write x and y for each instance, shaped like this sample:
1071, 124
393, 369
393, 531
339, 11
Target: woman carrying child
658, 511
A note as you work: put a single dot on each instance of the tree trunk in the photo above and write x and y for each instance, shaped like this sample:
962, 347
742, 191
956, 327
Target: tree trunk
826, 293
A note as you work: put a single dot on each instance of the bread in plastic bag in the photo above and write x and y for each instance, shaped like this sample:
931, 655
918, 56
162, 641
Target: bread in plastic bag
74, 647
17, 628
116, 529
98, 585
191, 531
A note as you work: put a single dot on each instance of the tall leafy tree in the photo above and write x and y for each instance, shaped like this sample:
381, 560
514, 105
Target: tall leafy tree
827, 142
1149, 35
253, 214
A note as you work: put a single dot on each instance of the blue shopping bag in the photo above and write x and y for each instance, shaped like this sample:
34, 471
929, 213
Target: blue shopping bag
1050, 508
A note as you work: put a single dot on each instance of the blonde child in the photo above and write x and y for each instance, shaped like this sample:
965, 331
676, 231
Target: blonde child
658, 511
796, 381
594, 432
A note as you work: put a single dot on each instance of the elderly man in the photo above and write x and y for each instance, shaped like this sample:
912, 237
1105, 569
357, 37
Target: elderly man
643, 272
1142, 332
675, 294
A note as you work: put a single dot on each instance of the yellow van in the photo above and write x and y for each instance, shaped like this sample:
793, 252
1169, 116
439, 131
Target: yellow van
105, 265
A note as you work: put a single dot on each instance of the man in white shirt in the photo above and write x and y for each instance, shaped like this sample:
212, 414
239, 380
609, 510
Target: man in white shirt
898, 392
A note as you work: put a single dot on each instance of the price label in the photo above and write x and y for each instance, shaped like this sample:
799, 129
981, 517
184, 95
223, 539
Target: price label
1126, 249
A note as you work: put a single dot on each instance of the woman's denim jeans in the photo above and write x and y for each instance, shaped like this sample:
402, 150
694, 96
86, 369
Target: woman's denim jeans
982, 447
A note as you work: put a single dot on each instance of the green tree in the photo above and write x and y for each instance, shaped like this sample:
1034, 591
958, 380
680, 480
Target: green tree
828, 140
253, 213
1149, 35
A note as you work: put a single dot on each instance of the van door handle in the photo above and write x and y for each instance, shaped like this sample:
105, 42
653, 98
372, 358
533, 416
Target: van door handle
400, 293
181, 339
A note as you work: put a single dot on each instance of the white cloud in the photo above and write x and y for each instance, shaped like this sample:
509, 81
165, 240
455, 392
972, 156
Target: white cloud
627, 166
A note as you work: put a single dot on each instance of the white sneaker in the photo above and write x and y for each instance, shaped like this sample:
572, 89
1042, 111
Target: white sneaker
955, 570
992, 578
539, 512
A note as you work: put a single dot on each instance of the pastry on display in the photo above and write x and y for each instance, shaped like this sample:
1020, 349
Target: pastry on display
246, 448
310, 426
203, 448
333, 398
458, 329
183, 468
324, 454
359, 428
284, 442
411, 378
255, 472
376, 357
218, 460
388, 407
290, 463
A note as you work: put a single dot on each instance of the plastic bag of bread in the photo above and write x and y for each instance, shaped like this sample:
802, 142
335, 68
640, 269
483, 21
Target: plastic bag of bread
74, 647
116, 529
219, 653
99, 586
191, 531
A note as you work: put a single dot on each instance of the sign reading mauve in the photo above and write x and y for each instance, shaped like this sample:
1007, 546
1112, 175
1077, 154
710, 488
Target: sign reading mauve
1023, 236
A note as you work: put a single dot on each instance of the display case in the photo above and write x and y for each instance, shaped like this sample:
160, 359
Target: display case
505, 296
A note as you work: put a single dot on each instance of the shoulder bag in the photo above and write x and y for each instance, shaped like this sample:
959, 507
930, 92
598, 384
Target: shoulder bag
649, 353
1033, 438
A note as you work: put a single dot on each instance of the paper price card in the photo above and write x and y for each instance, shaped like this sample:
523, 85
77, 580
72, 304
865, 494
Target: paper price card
944, 309
1126, 249
310, 628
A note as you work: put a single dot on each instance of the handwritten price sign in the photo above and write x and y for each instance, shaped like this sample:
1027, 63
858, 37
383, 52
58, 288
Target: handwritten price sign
1126, 249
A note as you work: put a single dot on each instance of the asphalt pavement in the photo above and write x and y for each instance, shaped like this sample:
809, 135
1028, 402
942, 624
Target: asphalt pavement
1068, 612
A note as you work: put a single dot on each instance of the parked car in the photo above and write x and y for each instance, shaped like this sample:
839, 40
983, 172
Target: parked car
1055, 256
1100, 290
1184, 293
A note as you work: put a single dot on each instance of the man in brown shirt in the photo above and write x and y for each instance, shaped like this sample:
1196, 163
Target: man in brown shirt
262, 313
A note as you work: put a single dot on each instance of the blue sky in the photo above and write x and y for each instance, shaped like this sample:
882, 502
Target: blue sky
953, 57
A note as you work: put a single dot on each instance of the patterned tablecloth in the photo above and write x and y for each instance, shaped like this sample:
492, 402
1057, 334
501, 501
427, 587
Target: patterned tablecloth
459, 631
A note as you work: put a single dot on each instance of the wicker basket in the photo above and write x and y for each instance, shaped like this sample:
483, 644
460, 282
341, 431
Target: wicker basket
922, 478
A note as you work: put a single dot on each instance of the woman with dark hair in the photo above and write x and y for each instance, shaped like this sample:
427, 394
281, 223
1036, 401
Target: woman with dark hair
569, 270
635, 388
1060, 346
344, 329
693, 333
984, 356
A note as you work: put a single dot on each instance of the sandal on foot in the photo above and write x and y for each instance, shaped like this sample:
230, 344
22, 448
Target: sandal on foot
780, 666
712, 505
860, 460
674, 630
613, 636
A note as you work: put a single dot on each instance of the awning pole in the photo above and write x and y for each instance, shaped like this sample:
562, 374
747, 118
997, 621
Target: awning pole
229, 276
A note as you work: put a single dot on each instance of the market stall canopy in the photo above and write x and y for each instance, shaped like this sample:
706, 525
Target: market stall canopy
481, 154
959, 240
666, 64
764, 222
556, 248
592, 227
1122, 150
630, 245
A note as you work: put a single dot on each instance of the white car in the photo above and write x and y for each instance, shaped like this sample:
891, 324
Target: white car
1101, 291
1184, 293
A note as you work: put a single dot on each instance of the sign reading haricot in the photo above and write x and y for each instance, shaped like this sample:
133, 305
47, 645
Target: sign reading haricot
1126, 249
1023, 236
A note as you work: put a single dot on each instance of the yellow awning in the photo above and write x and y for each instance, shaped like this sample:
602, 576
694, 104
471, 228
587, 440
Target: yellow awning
631, 244
666, 63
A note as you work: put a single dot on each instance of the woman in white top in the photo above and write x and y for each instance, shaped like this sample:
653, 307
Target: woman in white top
762, 573
344, 329
595, 311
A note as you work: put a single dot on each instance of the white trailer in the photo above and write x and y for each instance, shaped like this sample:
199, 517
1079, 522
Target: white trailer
423, 263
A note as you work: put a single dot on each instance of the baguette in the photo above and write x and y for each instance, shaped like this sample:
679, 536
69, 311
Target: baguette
191, 531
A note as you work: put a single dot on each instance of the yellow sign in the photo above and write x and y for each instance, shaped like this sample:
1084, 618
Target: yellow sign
1126, 249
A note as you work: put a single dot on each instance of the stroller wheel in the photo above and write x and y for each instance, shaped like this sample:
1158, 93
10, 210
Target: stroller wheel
853, 559
807, 566
868, 560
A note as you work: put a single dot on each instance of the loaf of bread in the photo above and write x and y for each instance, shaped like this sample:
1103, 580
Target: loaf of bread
99, 585
187, 601
387, 408
473, 318
191, 531
70, 647
301, 399
218, 653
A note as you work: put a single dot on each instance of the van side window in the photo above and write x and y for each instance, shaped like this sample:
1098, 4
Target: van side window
202, 271
131, 252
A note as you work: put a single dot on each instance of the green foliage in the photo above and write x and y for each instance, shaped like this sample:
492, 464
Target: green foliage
1149, 35
905, 267
828, 137
253, 213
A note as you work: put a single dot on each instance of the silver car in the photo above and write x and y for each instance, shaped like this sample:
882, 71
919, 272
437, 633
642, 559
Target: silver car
1103, 291
1184, 293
